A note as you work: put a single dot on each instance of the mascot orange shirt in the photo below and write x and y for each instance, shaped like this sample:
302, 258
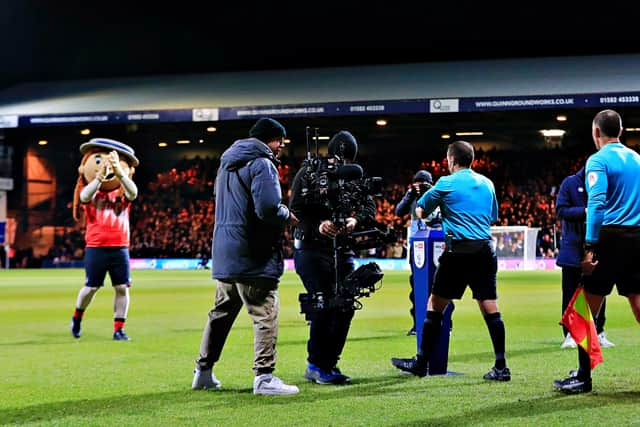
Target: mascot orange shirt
104, 192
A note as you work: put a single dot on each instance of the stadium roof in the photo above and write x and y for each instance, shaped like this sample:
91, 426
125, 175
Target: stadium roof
477, 78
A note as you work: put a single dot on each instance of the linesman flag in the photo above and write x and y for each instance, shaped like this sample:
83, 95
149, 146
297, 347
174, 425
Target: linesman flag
579, 322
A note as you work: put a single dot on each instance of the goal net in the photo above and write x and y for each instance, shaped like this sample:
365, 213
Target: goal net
516, 247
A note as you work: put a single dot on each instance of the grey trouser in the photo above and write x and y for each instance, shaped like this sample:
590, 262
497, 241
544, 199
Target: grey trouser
260, 297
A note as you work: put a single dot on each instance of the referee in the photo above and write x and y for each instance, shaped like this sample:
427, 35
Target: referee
612, 241
468, 204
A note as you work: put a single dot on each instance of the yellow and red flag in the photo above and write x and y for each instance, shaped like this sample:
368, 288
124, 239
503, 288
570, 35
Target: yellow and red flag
579, 322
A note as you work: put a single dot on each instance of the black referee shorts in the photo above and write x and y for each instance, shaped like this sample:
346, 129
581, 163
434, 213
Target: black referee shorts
470, 263
617, 253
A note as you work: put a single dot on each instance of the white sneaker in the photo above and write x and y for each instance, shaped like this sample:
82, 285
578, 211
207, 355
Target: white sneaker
268, 384
204, 379
568, 342
604, 342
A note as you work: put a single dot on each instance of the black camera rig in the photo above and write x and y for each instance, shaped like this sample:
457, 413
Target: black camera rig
359, 283
343, 190
424, 187
339, 186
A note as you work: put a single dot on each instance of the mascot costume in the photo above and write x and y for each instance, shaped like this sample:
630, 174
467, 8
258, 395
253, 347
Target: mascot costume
102, 199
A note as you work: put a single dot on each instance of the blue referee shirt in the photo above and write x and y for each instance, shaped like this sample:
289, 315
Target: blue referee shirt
613, 187
468, 204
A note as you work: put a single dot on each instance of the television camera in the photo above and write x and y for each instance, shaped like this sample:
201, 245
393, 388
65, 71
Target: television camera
342, 188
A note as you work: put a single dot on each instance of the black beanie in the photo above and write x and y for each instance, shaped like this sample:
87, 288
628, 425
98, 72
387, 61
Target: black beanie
344, 145
267, 129
423, 176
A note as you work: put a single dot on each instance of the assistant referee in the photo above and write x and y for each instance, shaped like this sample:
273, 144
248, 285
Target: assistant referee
612, 241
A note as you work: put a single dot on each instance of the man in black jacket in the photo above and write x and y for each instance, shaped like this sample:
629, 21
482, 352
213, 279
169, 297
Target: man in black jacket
571, 209
314, 262
422, 181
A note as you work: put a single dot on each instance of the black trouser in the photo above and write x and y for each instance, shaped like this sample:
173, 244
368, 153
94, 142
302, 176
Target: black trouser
570, 280
328, 327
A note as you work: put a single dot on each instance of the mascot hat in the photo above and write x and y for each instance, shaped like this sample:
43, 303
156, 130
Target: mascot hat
111, 144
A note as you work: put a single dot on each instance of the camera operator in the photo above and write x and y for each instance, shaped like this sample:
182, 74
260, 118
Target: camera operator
316, 262
422, 181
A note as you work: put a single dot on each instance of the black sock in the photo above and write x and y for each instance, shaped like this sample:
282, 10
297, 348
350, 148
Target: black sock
496, 331
262, 371
584, 372
430, 333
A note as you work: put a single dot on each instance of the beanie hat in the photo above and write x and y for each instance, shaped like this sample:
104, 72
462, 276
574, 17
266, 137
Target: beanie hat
423, 176
267, 129
344, 145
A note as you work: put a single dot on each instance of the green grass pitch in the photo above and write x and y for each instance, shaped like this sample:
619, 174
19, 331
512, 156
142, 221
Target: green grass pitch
49, 378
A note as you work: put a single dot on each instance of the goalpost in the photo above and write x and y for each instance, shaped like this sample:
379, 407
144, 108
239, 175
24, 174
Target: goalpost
515, 247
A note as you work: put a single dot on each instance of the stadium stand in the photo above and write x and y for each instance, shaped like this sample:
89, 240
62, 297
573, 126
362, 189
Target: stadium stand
174, 217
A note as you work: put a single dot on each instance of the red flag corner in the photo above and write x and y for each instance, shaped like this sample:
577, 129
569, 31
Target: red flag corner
579, 322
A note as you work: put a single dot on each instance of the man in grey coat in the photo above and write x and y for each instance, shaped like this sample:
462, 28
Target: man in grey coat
247, 257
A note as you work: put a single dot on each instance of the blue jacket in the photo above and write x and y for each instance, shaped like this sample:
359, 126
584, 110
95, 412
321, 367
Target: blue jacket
570, 209
408, 205
247, 235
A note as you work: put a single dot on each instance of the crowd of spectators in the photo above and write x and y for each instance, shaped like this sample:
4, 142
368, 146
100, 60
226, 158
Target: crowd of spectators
173, 217
174, 214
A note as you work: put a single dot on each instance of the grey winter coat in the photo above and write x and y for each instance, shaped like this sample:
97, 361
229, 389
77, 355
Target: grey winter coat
249, 214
